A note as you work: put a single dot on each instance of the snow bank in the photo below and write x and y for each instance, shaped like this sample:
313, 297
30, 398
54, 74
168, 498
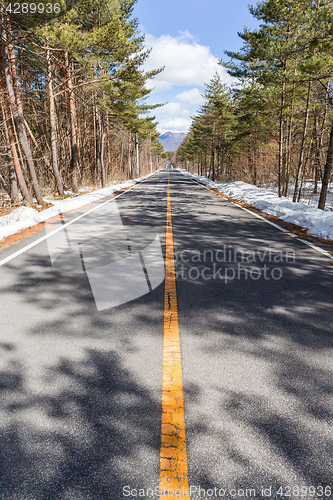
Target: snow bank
24, 217
17, 215
315, 221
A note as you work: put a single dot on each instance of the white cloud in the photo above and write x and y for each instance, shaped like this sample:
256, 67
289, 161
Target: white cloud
172, 108
173, 124
186, 35
186, 62
192, 96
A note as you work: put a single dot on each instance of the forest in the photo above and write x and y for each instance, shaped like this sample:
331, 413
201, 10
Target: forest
73, 99
274, 125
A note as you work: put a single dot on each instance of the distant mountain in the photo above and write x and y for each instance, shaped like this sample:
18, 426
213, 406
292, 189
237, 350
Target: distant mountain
171, 140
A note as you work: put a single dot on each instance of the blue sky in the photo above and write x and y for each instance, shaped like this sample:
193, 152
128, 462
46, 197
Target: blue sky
188, 37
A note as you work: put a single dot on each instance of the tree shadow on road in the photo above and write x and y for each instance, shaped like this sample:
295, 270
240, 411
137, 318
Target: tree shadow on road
94, 429
98, 433
262, 348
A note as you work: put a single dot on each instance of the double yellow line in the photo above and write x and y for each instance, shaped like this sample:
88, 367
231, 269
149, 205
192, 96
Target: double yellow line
173, 461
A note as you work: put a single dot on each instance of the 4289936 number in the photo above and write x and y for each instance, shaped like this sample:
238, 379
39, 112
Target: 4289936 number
305, 491
33, 8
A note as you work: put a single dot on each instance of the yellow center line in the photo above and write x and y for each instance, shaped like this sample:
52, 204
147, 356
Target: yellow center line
173, 464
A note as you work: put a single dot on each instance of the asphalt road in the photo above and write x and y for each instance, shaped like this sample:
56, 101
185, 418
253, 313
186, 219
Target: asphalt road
80, 388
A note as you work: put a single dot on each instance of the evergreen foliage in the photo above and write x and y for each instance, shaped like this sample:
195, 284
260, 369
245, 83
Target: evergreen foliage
275, 123
83, 97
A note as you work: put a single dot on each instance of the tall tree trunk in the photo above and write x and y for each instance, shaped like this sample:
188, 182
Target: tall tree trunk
327, 173
108, 142
305, 133
222, 164
137, 173
37, 146
53, 126
14, 192
317, 165
286, 170
281, 132
20, 122
98, 145
254, 157
122, 166
129, 155
87, 141
213, 154
323, 125
16, 108
102, 123
12, 142
72, 118
213, 163
304, 170
251, 159
321, 137
210, 169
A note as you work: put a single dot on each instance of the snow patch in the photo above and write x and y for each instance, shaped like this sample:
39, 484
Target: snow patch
18, 214
317, 222
24, 217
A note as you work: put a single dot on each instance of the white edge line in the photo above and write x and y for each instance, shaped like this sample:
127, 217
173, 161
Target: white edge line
268, 222
31, 245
